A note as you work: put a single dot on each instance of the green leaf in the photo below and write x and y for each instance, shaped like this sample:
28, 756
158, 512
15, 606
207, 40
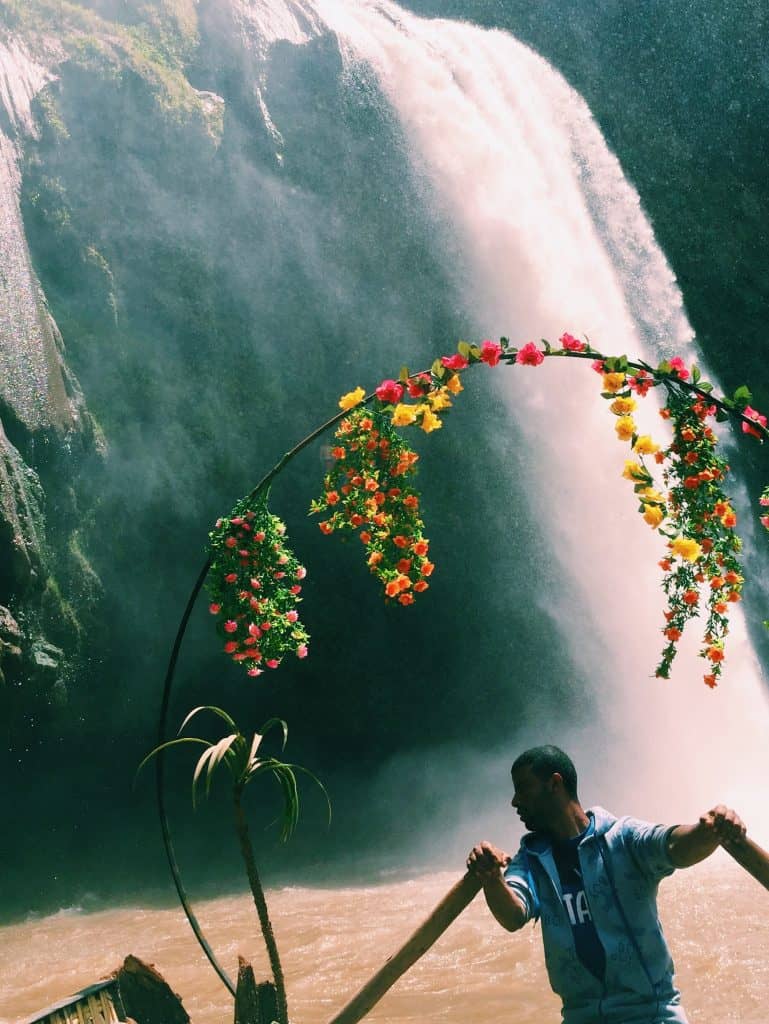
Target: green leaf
475, 352
403, 376
171, 743
464, 349
216, 711
548, 346
664, 367
743, 396
695, 373
437, 369
706, 386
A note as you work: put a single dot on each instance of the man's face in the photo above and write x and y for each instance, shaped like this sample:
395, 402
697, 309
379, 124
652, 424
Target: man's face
534, 799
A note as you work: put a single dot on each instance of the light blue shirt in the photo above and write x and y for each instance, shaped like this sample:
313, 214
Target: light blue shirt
622, 862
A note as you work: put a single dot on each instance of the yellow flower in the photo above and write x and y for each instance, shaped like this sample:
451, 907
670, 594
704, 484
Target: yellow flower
653, 515
613, 382
403, 415
439, 400
650, 494
454, 384
633, 471
622, 406
686, 548
430, 421
625, 428
645, 446
352, 398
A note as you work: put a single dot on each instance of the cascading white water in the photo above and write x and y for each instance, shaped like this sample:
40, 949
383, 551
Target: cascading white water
554, 238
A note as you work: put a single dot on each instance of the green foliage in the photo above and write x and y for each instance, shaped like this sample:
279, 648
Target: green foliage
244, 760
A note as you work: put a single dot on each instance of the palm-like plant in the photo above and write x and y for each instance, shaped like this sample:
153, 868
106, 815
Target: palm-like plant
245, 762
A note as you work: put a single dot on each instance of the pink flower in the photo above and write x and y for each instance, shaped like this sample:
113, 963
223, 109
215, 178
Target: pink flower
216, 608
419, 385
597, 366
763, 500
764, 520
230, 626
296, 589
677, 364
240, 656
230, 542
755, 415
301, 651
236, 521
490, 352
455, 362
266, 625
255, 671
244, 554
259, 535
230, 647
283, 559
389, 391
301, 572
571, 344
255, 583
254, 630
292, 616
272, 663
529, 355
230, 577
278, 575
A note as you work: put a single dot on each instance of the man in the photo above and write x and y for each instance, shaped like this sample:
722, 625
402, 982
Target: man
591, 879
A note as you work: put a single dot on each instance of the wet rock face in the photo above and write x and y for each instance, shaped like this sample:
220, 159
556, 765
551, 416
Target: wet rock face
45, 426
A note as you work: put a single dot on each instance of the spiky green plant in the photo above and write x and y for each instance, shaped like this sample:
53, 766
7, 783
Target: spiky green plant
245, 762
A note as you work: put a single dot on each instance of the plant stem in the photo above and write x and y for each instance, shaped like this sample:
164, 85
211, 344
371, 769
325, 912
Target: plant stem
261, 905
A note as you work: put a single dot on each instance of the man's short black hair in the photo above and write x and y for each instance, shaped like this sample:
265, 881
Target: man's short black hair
544, 761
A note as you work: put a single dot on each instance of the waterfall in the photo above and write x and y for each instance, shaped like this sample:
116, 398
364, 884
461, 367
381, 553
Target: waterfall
552, 238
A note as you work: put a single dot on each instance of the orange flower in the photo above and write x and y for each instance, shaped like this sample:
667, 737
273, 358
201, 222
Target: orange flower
672, 633
338, 452
687, 433
366, 424
375, 558
421, 586
411, 501
721, 508
325, 527
733, 577
664, 564
332, 497
729, 520
427, 568
379, 498
716, 582
720, 607
454, 384
392, 588
734, 597
710, 681
406, 599
400, 541
365, 536
715, 654
665, 414
707, 545
356, 520
372, 485
421, 548
659, 457
403, 582
380, 519
691, 597
691, 458
403, 565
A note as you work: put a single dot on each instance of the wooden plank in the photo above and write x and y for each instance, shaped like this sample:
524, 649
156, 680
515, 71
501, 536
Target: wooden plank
450, 907
63, 1004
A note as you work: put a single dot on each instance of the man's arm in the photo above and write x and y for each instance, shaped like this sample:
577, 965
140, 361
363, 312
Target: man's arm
689, 844
488, 863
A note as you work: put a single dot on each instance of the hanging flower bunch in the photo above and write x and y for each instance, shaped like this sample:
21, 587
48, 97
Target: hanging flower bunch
254, 583
702, 571
370, 489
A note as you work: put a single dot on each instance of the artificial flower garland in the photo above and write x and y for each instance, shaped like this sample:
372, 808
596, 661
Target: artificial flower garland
254, 583
370, 490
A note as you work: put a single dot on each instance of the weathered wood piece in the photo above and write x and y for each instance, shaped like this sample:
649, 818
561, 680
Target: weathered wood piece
254, 1004
146, 996
450, 907
97, 1004
752, 857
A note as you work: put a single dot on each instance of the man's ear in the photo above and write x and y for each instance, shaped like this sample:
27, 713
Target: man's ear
556, 781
